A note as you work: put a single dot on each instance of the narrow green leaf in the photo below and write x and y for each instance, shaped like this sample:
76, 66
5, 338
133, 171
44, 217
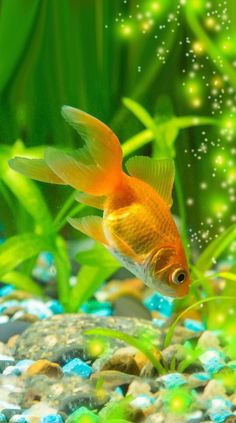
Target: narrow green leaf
141, 113
23, 282
96, 255
89, 279
215, 249
26, 191
17, 249
63, 268
131, 340
171, 330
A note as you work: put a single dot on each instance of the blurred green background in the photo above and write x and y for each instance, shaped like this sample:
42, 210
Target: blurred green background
176, 58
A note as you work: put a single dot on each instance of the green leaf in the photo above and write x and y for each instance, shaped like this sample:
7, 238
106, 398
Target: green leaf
63, 268
97, 255
23, 282
171, 329
89, 279
17, 249
147, 350
141, 113
13, 45
25, 190
215, 249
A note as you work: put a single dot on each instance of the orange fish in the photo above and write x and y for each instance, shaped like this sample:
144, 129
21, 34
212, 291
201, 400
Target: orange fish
137, 226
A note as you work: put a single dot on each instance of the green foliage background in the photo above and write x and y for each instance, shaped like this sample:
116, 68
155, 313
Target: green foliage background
108, 57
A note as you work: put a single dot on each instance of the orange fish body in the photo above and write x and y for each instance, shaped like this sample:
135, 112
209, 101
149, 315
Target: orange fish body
137, 226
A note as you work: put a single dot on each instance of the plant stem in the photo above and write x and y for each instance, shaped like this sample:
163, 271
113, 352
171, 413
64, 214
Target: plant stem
205, 300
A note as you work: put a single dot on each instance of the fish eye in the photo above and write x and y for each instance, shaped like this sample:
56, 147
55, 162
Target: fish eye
179, 276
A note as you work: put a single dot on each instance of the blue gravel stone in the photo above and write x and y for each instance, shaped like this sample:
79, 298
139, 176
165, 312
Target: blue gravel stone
219, 415
6, 290
11, 411
18, 418
23, 365
79, 367
194, 325
6, 361
37, 308
55, 306
201, 376
156, 302
6, 304
3, 418
119, 391
212, 360
51, 418
158, 323
173, 380
142, 401
97, 308
11, 371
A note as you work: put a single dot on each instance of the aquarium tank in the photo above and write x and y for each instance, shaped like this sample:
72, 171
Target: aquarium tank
117, 211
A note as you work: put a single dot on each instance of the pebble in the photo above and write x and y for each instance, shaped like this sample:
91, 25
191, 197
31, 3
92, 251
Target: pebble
51, 418
213, 389
3, 418
142, 401
208, 340
5, 361
212, 360
78, 367
173, 380
219, 410
195, 417
194, 325
123, 361
18, 418
44, 367
199, 379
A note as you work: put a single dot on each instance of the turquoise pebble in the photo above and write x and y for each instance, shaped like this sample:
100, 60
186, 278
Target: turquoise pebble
3, 418
79, 367
194, 325
51, 418
157, 302
173, 380
6, 290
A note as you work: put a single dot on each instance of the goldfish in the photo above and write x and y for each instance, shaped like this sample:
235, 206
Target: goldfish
137, 226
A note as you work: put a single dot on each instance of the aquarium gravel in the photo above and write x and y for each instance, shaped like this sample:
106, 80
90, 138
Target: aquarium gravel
53, 371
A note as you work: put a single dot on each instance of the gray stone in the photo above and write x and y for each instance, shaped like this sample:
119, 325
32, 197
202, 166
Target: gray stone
42, 339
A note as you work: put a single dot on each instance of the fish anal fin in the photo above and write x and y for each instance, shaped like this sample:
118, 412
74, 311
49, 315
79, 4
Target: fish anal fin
90, 226
91, 200
157, 173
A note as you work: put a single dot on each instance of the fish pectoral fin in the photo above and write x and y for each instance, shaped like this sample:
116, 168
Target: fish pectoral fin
35, 169
91, 226
91, 200
157, 173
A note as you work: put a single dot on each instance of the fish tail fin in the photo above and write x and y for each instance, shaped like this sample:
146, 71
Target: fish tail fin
99, 162
95, 169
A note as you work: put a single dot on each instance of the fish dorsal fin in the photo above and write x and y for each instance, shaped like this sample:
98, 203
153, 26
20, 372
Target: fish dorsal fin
91, 226
157, 173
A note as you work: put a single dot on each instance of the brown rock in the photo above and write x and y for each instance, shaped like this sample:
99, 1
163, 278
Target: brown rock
44, 367
124, 361
10, 311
